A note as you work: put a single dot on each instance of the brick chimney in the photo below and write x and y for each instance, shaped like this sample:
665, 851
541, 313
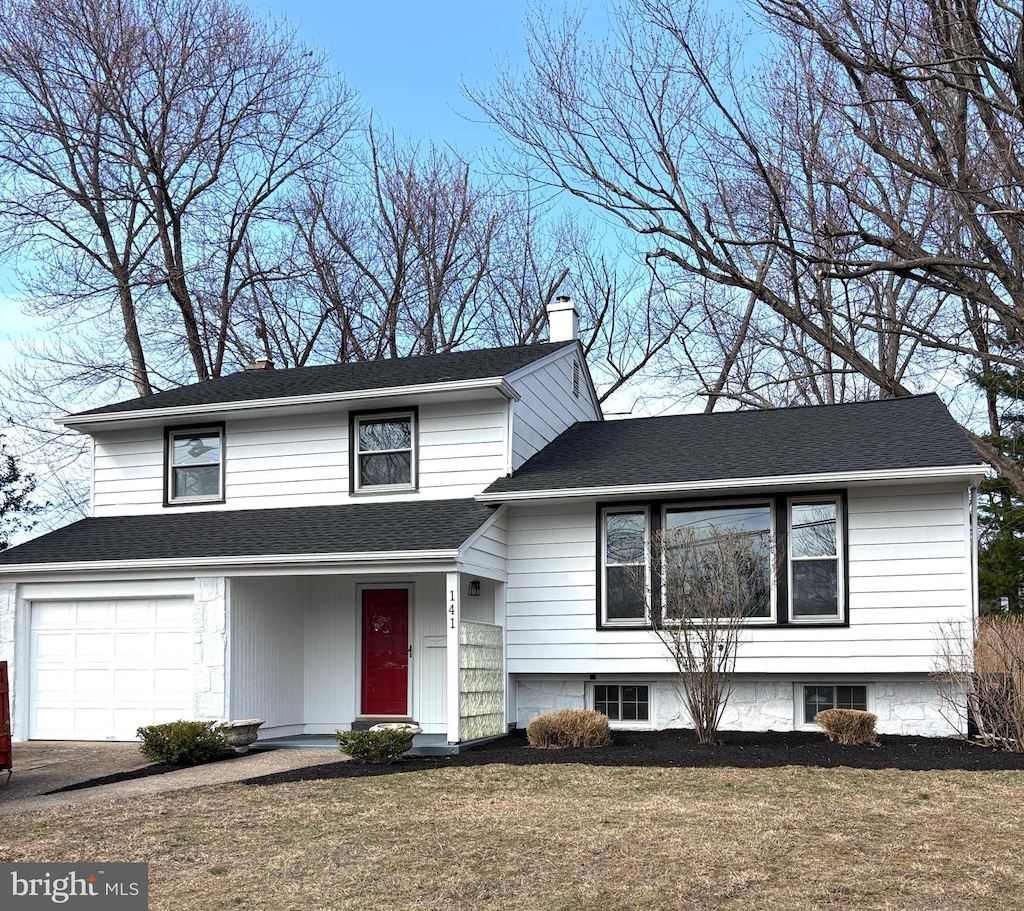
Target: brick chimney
261, 363
563, 320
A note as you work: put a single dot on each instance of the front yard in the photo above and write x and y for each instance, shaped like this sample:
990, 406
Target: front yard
563, 838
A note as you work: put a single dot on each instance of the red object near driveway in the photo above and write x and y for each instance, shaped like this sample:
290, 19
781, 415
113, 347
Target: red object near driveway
386, 651
6, 757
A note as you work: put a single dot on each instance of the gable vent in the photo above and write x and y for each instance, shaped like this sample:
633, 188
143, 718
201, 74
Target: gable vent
576, 378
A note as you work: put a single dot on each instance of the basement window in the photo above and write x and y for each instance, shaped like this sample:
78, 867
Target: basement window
624, 702
819, 697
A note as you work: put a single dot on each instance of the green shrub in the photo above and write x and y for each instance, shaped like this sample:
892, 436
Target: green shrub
183, 742
849, 727
573, 728
378, 747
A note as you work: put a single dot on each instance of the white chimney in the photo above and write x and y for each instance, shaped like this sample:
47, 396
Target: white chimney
563, 320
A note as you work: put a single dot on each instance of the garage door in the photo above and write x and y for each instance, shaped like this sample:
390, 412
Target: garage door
101, 669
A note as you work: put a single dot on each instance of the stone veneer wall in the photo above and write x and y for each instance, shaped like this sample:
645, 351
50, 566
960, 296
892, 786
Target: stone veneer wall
210, 653
912, 706
481, 680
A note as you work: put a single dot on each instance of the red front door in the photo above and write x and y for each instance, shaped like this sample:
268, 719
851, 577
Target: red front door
386, 651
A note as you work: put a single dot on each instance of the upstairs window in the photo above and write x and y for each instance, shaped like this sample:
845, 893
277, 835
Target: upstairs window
195, 465
385, 451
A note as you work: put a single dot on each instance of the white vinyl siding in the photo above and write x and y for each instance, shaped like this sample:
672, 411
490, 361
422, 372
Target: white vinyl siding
547, 406
895, 599
303, 460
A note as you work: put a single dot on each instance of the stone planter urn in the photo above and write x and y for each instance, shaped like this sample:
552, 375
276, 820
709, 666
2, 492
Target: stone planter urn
240, 734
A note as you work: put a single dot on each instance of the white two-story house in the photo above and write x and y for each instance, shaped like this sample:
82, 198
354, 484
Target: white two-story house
427, 539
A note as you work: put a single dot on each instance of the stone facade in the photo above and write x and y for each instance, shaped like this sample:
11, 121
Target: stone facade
903, 707
481, 680
211, 647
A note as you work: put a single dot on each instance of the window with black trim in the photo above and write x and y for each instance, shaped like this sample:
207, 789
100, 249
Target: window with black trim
695, 539
793, 553
819, 697
815, 570
626, 571
623, 701
384, 451
195, 465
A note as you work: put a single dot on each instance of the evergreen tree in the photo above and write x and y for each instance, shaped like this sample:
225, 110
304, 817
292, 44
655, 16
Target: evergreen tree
1000, 508
17, 508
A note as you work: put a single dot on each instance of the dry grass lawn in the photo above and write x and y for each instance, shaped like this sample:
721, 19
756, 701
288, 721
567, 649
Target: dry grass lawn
563, 838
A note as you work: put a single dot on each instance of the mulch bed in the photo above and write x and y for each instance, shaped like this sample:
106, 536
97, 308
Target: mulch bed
679, 749
659, 749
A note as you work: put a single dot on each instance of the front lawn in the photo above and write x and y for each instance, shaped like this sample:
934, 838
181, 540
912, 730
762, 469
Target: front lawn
563, 838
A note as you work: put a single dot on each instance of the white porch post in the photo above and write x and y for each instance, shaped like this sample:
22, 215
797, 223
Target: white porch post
453, 618
210, 652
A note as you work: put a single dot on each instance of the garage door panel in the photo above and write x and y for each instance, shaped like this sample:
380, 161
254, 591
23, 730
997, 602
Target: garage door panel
97, 646
131, 646
101, 670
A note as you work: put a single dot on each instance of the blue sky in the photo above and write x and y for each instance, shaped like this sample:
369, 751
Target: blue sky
407, 61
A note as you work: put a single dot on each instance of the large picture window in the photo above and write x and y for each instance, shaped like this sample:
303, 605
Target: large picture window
774, 561
732, 544
195, 465
626, 574
385, 451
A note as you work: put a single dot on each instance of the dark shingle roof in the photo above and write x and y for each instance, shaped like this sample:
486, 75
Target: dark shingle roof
903, 433
418, 525
257, 385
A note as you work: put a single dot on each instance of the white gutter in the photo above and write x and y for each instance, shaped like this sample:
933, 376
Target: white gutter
655, 490
444, 557
157, 414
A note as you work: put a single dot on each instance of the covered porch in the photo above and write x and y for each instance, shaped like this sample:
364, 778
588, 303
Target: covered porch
316, 653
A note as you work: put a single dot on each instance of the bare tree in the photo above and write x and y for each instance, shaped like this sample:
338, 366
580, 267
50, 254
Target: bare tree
712, 577
143, 145
850, 222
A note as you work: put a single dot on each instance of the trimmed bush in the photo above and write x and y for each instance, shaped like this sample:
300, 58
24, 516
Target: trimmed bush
849, 727
183, 742
569, 728
377, 747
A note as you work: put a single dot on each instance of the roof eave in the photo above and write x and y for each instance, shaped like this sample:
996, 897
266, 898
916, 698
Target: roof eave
99, 420
973, 472
383, 559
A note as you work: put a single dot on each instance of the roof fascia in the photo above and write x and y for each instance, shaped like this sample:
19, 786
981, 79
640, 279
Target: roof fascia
973, 472
98, 421
385, 561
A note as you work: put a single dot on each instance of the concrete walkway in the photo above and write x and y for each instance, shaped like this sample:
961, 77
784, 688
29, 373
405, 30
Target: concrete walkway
41, 766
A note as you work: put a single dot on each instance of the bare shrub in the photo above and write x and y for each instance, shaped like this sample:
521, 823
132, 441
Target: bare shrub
569, 728
715, 576
981, 669
850, 727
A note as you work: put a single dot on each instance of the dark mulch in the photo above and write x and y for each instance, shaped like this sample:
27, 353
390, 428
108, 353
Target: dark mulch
679, 749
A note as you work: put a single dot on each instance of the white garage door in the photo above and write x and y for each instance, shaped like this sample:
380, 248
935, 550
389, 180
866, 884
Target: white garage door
101, 669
